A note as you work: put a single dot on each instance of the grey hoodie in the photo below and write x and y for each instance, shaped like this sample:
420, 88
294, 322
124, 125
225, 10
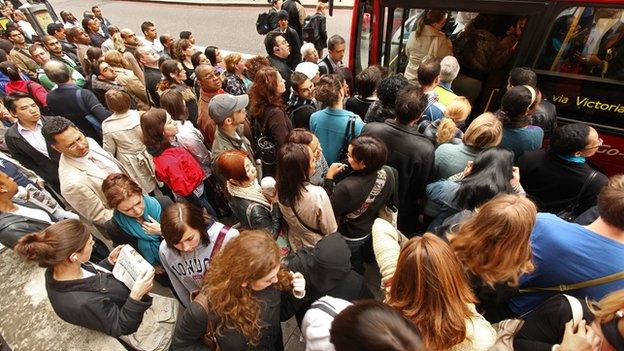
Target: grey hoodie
186, 269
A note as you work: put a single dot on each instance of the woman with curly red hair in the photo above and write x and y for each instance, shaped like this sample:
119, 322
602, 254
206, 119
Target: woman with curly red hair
245, 294
268, 111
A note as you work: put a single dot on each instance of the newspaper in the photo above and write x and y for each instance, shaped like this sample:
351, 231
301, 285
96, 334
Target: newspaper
130, 265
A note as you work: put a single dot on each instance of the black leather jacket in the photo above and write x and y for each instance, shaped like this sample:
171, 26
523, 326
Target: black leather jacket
253, 215
13, 227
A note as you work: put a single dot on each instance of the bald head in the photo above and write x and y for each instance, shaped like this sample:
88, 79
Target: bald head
58, 72
129, 37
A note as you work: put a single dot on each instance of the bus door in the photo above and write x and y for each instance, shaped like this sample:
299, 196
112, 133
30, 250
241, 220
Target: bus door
488, 39
580, 68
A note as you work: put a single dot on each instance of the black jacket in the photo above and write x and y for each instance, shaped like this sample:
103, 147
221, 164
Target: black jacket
553, 182
99, 302
412, 155
327, 68
281, 65
295, 47
13, 227
290, 6
277, 306
358, 105
327, 271
62, 101
545, 325
349, 195
68, 48
254, 215
46, 167
152, 78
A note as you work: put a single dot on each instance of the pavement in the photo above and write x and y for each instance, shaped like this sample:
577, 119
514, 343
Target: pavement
338, 4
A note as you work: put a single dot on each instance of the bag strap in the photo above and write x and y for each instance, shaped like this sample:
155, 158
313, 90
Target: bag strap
572, 207
580, 285
577, 309
211, 328
219, 241
325, 307
317, 231
349, 130
380, 182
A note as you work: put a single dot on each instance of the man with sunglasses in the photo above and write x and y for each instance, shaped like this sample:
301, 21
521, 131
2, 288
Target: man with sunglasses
555, 177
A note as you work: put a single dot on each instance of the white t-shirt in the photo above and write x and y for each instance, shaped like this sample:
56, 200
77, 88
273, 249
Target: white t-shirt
32, 213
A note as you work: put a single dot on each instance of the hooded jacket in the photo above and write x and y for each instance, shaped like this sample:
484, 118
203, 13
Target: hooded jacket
29, 87
99, 302
327, 271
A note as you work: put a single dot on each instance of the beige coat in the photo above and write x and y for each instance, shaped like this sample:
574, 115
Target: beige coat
122, 139
419, 48
81, 186
315, 209
133, 86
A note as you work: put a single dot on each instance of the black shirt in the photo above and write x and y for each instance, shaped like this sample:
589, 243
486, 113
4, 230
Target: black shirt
152, 78
358, 105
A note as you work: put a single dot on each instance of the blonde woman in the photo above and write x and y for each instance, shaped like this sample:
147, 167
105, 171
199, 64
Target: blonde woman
127, 78
426, 41
122, 139
484, 132
447, 129
494, 249
234, 79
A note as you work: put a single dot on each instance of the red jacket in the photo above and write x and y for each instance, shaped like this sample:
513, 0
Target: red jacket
177, 168
38, 92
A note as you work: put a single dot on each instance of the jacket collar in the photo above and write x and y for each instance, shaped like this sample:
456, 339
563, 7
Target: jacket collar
403, 128
94, 148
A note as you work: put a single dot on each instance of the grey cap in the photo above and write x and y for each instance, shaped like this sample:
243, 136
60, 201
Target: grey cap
282, 15
223, 106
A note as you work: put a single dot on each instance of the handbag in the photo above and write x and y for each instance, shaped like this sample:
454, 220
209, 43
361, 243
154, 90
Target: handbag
569, 213
156, 330
266, 150
210, 335
507, 329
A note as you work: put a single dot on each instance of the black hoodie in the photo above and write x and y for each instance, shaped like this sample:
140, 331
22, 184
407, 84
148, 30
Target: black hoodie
99, 302
327, 271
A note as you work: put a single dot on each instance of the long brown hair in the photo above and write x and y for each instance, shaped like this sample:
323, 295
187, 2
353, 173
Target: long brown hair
263, 92
429, 288
55, 244
167, 68
248, 257
494, 244
153, 128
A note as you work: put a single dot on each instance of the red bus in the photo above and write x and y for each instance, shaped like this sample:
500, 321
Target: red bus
553, 35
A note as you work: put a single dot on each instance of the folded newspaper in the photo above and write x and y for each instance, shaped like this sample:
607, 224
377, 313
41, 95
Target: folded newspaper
130, 266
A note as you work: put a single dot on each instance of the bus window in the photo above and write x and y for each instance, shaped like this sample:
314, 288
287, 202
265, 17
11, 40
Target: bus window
586, 41
402, 24
581, 66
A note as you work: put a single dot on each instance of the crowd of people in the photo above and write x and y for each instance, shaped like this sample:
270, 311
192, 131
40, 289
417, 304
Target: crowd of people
265, 188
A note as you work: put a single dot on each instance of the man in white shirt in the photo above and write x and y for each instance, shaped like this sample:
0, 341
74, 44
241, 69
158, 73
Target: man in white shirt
25, 140
83, 166
151, 37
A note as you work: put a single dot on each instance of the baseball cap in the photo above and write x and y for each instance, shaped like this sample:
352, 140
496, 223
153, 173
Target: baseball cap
308, 68
223, 106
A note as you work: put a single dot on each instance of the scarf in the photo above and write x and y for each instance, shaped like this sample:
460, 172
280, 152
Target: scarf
572, 158
148, 244
251, 193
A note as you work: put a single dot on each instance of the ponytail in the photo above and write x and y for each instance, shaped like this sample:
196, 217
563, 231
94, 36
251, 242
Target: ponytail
55, 244
446, 131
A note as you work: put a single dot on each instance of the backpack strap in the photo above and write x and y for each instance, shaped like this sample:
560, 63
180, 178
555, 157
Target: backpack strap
580, 285
574, 205
325, 307
219, 241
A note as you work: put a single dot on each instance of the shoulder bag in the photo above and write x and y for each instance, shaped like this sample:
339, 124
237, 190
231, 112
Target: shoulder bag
317, 231
265, 147
580, 285
569, 213
348, 135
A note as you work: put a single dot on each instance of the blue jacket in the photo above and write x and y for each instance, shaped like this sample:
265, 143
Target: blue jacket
329, 125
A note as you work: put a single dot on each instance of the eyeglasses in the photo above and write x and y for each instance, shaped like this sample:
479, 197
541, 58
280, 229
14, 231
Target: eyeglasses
595, 146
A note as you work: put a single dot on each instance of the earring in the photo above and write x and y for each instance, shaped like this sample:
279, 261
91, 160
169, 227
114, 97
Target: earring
74, 258
620, 313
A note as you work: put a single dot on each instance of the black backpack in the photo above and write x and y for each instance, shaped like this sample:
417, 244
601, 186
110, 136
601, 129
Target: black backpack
263, 23
312, 29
